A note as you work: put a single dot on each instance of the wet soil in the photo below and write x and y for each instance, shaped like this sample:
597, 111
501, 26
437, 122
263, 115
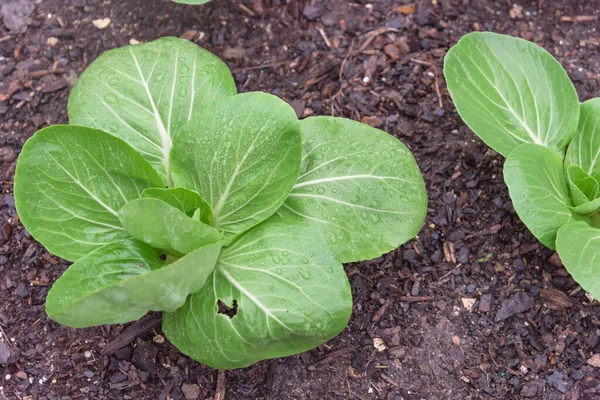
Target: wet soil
474, 308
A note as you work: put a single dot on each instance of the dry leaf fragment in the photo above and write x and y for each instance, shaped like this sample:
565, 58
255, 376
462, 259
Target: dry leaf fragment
468, 303
379, 344
408, 9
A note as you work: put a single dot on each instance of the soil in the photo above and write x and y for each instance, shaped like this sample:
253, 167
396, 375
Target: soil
474, 308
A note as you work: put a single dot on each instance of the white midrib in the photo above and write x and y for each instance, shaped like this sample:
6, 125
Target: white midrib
165, 136
533, 136
219, 207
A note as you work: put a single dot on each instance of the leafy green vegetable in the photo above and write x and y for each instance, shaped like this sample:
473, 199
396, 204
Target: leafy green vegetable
242, 155
165, 227
122, 281
359, 186
538, 189
289, 294
146, 93
584, 150
171, 206
511, 91
187, 201
579, 247
518, 99
70, 183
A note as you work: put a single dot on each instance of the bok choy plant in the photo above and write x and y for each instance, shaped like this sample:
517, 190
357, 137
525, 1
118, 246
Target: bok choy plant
170, 192
519, 100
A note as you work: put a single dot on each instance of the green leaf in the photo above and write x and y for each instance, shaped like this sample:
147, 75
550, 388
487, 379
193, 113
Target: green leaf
584, 149
360, 186
70, 183
587, 208
242, 155
510, 91
165, 227
538, 189
583, 187
122, 281
146, 92
187, 201
290, 292
578, 245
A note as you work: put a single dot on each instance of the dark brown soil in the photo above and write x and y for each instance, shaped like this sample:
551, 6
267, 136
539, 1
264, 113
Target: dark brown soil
473, 308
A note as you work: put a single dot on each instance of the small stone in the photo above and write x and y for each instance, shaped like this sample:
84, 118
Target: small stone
555, 260
87, 354
394, 24
75, 53
190, 34
516, 304
88, 374
392, 51
190, 392
134, 41
117, 377
471, 287
102, 23
21, 375
311, 12
557, 381
22, 290
485, 303
529, 389
52, 41
4, 353
577, 375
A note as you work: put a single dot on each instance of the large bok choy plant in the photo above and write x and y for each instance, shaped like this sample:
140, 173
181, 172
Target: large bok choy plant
519, 100
170, 192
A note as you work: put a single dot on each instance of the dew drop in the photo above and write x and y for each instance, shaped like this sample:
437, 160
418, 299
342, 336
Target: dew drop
111, 99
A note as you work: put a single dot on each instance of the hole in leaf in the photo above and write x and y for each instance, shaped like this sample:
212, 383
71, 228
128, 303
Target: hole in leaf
226, 310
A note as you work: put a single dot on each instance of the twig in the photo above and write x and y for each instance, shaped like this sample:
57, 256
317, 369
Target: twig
44, 72
414, 299
331, 357
7, 341
435, 75
139, 328
272, 65
249, 11
340, 76
324, 36
220, 391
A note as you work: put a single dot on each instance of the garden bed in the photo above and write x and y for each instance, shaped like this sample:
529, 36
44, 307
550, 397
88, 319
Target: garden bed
473, 308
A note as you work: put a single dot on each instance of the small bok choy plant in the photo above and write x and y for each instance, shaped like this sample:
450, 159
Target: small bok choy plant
170, 192
519, 100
